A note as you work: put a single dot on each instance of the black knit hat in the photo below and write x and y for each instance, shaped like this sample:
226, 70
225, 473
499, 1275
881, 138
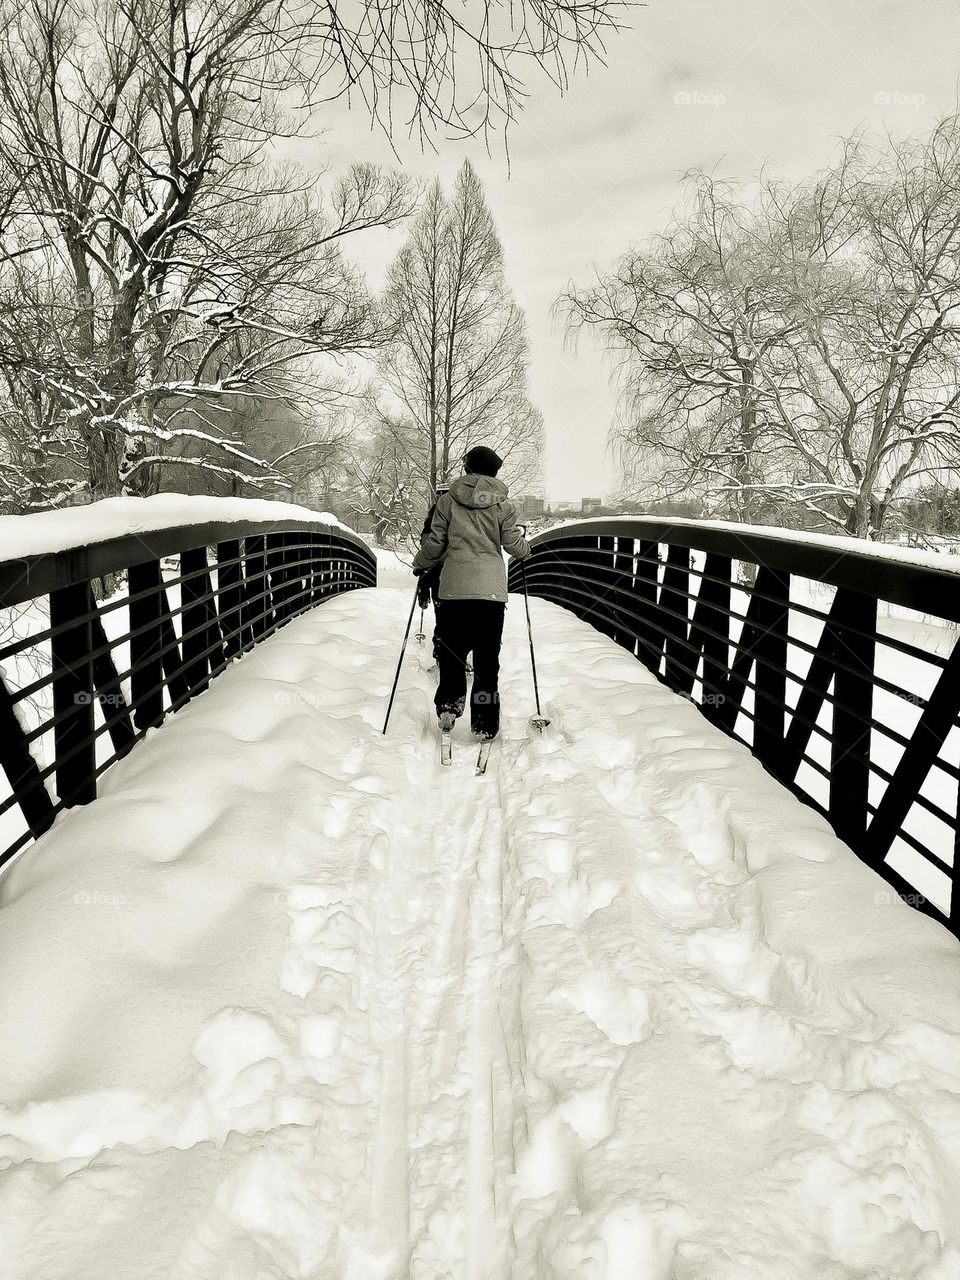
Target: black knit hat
482, 461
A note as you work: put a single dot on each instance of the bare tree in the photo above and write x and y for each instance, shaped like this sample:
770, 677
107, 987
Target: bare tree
793, 355
193, 272
456, 370
691, 317
158, 269
880, 369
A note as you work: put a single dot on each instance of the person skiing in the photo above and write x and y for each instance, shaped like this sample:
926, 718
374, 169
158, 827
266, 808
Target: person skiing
470, 528
429, 581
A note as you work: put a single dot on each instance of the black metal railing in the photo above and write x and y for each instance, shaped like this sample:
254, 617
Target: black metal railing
838, 668
87, 679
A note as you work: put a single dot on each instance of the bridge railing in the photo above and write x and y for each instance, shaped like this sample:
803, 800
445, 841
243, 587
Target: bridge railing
81, 681
837, 665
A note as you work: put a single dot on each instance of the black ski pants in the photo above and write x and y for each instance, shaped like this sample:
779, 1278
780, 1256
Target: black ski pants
471, 626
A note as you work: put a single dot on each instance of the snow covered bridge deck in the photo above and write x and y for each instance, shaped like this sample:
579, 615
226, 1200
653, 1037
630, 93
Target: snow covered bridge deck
291, 1000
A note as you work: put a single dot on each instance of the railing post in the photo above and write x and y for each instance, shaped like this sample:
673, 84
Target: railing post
229, 596
113, 704
294, 574
770, 650
302, 561
323, 583
316, 554
852, 711
276, 568
145, 582
605, 604
257, 599
675, 613
73, 694
568, 599
710, 631
810, 700
954, 916
937, 719
286, 580
622, 581
195, 595
21, 769
320, 557
649, 639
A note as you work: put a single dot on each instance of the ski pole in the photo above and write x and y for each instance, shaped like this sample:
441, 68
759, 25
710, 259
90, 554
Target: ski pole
538, 722
421, 634
396, 678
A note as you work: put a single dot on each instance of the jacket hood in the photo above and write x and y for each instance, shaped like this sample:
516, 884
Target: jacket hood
478, 491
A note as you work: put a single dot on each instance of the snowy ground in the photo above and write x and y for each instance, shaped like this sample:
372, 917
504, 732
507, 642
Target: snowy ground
290, 1000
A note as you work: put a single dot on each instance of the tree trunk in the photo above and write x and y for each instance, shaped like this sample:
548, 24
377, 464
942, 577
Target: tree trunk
103, 463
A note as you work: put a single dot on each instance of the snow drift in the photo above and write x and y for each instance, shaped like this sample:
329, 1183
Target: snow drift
289, 1000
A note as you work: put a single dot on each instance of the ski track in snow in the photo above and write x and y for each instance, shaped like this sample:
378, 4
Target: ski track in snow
293, 1000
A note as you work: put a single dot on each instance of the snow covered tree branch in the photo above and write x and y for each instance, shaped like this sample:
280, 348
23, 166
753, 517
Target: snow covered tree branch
173, 266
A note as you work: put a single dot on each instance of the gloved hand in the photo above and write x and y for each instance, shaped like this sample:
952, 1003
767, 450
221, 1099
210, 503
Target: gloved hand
423, 595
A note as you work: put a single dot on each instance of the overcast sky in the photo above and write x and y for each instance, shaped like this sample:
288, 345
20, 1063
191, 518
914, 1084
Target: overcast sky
733, 84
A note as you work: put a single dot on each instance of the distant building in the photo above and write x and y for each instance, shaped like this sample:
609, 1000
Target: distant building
564, 506
529, 506
590, 505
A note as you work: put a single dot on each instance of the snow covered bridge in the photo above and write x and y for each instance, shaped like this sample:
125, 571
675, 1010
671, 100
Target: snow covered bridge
290, 1000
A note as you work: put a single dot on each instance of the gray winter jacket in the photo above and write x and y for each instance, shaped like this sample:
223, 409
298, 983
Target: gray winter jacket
470, 526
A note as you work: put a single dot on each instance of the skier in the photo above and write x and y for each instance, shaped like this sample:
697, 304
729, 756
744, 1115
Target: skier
471, 526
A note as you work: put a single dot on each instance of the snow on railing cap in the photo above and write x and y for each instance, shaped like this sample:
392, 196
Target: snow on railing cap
888, 551
47, 532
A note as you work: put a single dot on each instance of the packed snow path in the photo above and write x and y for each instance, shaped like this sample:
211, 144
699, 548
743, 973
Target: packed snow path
292, 1000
